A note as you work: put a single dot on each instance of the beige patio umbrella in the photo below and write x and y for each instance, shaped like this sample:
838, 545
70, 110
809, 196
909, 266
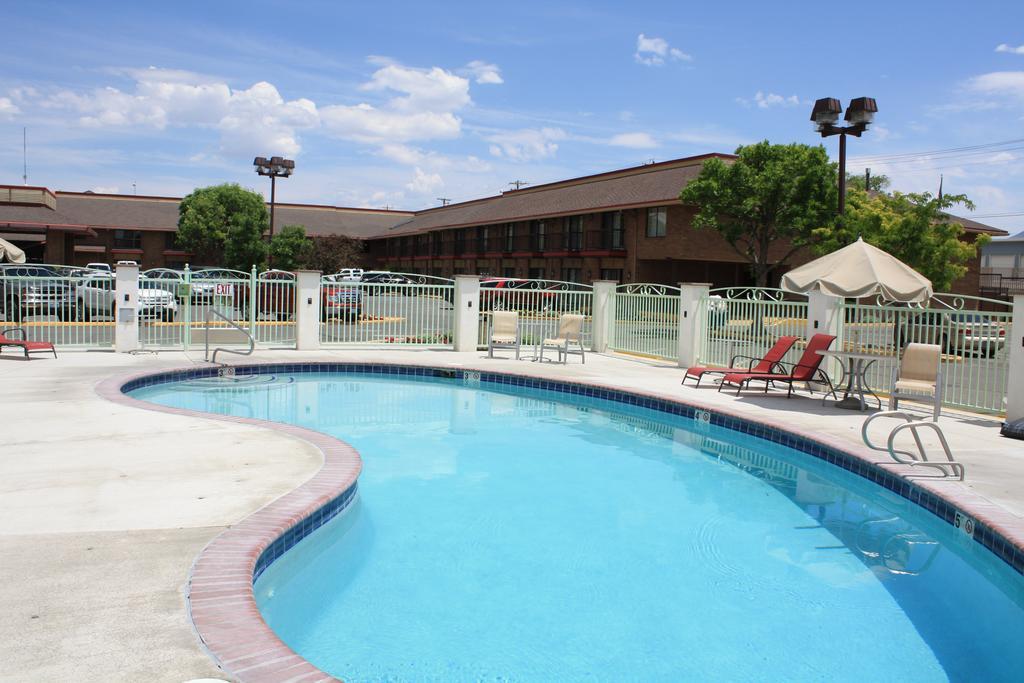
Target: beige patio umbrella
857, 271
9, 252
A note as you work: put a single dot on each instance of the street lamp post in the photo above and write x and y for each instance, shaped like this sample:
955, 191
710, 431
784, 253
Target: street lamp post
859, 114
275, 167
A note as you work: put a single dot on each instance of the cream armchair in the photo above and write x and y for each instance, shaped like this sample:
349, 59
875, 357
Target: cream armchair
918, 377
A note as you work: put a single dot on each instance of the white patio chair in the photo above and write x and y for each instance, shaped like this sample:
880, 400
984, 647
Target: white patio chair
918, 377
504, 332
570, 331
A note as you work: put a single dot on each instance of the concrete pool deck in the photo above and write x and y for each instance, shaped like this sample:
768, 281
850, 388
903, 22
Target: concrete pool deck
105, 507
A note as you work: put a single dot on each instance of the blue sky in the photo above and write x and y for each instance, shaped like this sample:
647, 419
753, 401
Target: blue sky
398, 104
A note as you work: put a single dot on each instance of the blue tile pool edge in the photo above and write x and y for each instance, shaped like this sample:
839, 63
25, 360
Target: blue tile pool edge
1002, 547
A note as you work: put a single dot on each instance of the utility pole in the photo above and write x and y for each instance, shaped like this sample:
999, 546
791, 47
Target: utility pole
519, 183
867, 180
445, 201
24, 155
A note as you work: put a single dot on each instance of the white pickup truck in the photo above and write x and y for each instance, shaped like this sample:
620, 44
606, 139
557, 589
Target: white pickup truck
95, 296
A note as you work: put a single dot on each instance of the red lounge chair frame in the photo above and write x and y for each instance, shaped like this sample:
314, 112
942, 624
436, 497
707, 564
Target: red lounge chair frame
807, 370
764, 365
26, 346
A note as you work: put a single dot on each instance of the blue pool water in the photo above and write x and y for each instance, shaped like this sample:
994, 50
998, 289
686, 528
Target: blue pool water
506, 534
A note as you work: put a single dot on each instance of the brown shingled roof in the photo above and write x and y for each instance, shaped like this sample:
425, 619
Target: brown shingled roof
648, 185
161, 213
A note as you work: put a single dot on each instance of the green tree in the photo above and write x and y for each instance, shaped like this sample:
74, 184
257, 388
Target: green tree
914, 228
290, 248
769, 194
331, 253
224, 225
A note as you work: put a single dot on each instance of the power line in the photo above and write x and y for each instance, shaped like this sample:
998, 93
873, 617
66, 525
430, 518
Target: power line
934, 152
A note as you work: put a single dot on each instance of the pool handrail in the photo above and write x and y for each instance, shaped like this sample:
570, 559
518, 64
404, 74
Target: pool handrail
252, 342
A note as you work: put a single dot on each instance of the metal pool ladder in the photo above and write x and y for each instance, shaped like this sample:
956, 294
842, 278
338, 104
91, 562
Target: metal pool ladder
252, 342
951, 468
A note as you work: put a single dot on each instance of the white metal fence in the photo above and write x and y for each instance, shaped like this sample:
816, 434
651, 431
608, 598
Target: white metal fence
387, 309
76, 308
540, 304
975, 361
645, 320
747, 321
69, 307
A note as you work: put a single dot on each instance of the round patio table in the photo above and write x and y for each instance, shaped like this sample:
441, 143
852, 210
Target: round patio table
857, 364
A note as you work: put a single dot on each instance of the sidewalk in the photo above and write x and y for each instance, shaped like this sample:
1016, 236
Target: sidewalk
105, 507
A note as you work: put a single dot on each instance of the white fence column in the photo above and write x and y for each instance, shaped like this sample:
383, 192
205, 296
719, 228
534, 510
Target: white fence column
307, 310
690, 321
603, 314
126, 303
467, 313
825, 316
1015, 342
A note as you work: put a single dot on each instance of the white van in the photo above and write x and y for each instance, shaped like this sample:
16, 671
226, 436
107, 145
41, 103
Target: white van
349, 275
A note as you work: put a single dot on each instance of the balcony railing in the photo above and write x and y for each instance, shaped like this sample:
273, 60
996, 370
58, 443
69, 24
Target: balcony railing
550, 242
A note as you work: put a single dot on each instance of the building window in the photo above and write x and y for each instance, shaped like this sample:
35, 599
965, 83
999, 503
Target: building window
127, 239
435, 244
536, 274
460, 242
611, 274
481, 239
611, 230
171, 241
657, 217
508, 271
571, 274
538, 230
510, 237
574, 233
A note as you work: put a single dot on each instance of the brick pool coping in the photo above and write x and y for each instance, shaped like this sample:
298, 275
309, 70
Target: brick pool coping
220, 596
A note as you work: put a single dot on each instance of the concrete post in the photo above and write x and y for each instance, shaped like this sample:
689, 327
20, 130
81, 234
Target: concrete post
126, 304
691, 332
466, 313
825, 316
1015, 352
602, 315
307, 310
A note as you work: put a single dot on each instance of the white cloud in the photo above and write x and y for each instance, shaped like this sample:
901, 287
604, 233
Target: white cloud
422, 89
365, 123
7, 107
1003, 47
254, 120
425, 183
633, 140
483, 73
656, 51
403, 154
423, 109
999, 83
765, 100
527, 144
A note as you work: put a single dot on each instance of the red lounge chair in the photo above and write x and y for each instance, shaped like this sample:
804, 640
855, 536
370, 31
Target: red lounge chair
26, 346
807, 370
763, 365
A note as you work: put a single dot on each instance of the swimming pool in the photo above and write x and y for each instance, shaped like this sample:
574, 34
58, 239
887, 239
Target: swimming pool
504, 533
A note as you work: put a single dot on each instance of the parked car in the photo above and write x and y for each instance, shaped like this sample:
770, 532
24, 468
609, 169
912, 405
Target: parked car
347, 275
96, 296
165, 279
102, 267
34, 290
339, 300
957, 332
204, 282
275, 295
